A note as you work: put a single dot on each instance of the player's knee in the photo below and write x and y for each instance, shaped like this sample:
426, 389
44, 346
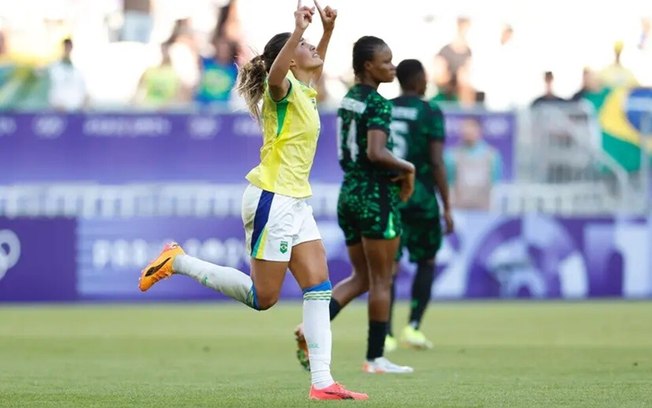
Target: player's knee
380, 286
360, 283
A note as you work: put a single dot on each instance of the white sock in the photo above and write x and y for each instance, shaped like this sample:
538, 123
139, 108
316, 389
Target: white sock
226, 280
317, 331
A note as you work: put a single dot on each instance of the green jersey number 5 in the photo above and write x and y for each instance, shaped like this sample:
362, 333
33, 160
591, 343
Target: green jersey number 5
398, 130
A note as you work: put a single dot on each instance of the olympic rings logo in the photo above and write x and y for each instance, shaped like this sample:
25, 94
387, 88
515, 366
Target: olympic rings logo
9, 251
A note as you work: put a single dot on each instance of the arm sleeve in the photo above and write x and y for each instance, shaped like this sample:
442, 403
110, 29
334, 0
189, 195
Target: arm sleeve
287, 96
434, 122
379, 113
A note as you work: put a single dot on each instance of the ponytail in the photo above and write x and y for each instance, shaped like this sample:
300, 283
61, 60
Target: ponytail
251, 84
252, 75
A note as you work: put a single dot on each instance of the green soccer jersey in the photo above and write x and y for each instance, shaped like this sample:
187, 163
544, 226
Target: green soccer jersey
362, 109
415, 124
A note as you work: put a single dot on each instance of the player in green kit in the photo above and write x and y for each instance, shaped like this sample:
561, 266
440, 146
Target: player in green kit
375, 181
418, 133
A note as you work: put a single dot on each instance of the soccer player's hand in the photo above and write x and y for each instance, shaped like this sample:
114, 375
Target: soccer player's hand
407, 187
328, 16
406, 179
407, 184
448, 220
303, 16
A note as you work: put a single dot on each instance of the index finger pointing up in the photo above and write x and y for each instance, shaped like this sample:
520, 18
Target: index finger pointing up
298, 4
321, 11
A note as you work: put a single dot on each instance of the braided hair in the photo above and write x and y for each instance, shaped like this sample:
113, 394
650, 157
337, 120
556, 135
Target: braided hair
363, 51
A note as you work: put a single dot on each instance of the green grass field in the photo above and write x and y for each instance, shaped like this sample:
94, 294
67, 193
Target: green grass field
224, 355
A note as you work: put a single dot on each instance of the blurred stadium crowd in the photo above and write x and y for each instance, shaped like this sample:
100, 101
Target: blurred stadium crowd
578, 142
163, 55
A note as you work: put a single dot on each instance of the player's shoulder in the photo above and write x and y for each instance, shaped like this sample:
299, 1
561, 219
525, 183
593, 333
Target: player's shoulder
377, 103
433, 106
355, 100
374, 96
360, 99
406, 108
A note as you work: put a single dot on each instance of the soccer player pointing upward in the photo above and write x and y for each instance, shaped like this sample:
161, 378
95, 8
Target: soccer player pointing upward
280, 229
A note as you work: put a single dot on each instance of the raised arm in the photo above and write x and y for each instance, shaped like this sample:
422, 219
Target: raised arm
278, 84
328, 16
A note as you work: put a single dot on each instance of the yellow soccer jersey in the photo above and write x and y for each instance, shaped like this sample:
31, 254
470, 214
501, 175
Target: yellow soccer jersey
290, 132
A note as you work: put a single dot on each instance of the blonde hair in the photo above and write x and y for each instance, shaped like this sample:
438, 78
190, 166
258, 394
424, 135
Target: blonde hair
251, 84
253, 74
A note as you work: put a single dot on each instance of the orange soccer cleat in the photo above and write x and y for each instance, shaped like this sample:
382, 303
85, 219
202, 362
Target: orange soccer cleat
335, 392
161, 267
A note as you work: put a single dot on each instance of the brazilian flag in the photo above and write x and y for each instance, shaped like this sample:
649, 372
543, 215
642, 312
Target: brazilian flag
23, 87
623, 115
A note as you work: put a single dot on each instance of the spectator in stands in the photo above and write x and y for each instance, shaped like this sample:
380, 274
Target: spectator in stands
549, 95
467, 95
138, 20
184, 52
160, 86
453, 55
447, 92
67, 86
591, 87
229, 27
616, 75
218, 74
458, 92
452, 71
228, 24
473, 168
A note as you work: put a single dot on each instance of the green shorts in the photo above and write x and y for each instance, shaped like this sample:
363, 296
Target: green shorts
368, 209
422, 237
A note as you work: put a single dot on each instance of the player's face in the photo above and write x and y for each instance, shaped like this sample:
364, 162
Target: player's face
380, 68
306, 57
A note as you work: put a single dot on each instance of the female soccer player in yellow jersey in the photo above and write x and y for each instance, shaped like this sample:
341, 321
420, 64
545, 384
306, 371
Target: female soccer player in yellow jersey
281, 231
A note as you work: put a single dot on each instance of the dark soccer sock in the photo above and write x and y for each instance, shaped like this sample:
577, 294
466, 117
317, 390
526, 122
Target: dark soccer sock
334, 308
390, 332
376, 339
421, 289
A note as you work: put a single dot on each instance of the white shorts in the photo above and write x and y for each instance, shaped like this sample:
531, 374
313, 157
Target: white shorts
275, 223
